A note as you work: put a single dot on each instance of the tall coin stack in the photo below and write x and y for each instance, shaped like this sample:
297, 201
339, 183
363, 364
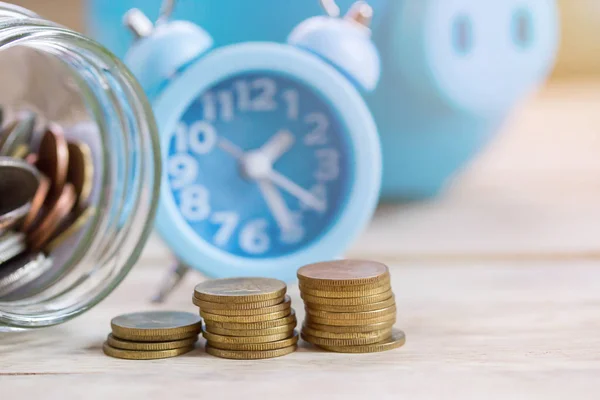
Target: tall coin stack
247, 318
350, 307
152, 335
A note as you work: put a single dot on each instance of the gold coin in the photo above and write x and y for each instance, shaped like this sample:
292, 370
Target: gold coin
347, 301
342, 273
397, 340
240, 290
246, 319
212, 337
319, 341
152, 325
254, 325
338, 294
249, 355
351, 329
81, 171
357, 316
279, 344
70, 228
354, 288
148, 346
356, 308
350, 322
285, 305
345, 335
211, 306
144, 355
277, 330
20, 151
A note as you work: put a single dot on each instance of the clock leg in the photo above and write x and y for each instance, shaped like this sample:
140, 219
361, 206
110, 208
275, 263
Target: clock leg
174, 277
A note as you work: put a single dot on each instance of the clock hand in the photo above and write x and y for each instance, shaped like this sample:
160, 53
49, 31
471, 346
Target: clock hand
278, 179
297, 191
276, 203
231, 148
278, 145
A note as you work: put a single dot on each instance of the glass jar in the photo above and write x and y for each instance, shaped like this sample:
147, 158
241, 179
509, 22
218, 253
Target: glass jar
70, 79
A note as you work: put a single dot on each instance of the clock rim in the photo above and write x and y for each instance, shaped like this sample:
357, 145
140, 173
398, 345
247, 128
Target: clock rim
338, 92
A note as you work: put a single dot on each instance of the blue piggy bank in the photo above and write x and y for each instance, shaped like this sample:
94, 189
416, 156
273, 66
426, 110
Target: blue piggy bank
452, 70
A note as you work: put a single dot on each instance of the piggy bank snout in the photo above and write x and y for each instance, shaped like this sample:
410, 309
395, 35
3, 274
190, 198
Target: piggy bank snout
477, 56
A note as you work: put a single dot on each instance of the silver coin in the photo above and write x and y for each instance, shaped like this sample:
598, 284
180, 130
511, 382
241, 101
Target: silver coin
21, 271
11, 245
19, 182
18, 132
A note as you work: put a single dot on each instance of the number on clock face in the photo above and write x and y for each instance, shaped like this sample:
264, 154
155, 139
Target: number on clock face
259, 166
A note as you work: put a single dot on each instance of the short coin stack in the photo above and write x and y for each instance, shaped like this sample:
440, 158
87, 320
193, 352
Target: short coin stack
152, 335
247, 318
350, 307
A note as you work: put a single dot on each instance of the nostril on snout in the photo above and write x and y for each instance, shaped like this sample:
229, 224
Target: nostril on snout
463, 35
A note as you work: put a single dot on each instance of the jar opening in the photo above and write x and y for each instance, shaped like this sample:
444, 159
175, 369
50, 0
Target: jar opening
70, 80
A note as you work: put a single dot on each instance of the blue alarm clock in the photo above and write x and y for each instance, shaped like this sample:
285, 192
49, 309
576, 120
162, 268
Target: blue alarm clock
272, 157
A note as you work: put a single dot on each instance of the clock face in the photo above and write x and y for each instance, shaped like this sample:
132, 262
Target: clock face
259, 166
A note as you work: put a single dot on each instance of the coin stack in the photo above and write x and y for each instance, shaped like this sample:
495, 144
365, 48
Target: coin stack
44, 197
247, 318
152, 335
350, 307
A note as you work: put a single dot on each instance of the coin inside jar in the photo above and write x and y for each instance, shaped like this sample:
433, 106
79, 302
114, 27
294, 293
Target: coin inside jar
18, 133
81, 170
53, 218
36, 203
70, 227
21, 271
21, 180
53, 159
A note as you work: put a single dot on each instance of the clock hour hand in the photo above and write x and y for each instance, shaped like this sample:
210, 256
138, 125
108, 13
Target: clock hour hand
278, 145
297, 191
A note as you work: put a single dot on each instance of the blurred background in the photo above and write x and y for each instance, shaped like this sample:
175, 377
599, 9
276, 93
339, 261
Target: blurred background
579, 56
534, 192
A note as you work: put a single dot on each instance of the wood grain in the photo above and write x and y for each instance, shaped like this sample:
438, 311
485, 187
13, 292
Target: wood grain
496, 332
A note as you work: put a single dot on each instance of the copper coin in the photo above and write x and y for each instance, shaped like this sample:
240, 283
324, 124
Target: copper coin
81, 170
32, 159
53, 218
53, 159
36, 204
342, 273
70, 227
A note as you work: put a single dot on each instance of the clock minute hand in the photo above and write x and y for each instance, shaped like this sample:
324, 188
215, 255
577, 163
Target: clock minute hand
297, 191
276, 203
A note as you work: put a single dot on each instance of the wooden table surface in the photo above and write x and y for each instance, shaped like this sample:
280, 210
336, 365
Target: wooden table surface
497, 285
